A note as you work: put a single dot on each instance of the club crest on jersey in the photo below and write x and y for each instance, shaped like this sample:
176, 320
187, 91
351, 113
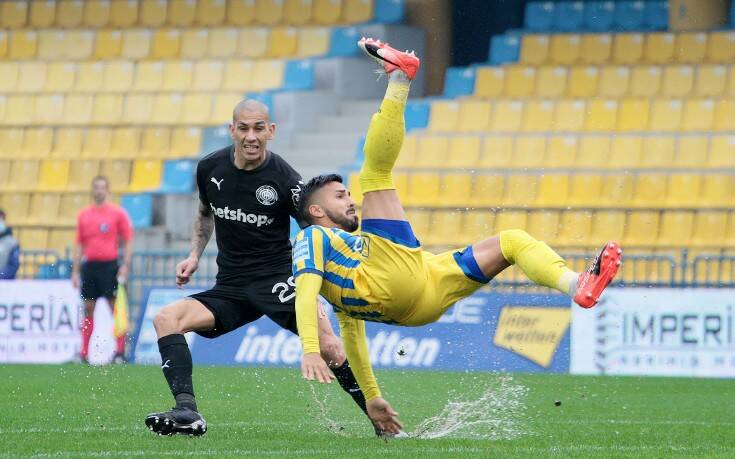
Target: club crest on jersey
104, 228
296, 194
266, 195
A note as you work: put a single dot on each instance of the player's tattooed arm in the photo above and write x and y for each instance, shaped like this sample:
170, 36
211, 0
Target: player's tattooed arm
203, 229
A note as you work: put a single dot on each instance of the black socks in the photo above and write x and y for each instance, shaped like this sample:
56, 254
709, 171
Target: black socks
177, 368
348, 382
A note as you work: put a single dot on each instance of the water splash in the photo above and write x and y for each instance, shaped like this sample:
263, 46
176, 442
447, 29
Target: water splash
330, 424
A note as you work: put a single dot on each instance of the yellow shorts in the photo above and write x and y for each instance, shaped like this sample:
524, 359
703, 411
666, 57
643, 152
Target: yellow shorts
412, 286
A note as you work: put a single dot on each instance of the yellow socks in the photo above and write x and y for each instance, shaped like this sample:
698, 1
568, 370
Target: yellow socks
385, 137
538, 261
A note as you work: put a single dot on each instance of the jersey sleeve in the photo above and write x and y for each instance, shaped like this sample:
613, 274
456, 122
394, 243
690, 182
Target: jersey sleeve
294, 184
78, 233
310, 251
202, 185
124, 226
307, 316
354, 338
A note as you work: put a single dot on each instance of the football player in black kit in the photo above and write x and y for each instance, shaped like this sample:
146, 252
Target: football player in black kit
247, 194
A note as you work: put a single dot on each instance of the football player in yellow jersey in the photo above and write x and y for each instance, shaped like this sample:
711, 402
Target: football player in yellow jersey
382, 274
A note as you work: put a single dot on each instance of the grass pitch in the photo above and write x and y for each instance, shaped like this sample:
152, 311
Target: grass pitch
77, 411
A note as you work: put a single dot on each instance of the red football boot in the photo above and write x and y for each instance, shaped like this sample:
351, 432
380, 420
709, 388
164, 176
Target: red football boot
592, 282
390, 58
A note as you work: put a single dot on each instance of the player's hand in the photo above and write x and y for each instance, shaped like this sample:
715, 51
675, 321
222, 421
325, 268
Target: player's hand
313, 367
185, 269
382, 414
75, 280
122, 274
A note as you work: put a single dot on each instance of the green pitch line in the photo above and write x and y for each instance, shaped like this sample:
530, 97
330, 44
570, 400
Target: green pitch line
76, 411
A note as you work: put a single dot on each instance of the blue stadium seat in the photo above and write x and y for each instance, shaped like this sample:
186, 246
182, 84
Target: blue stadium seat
539, 16
299, 75
342, 42
569, 16
657, 15
178, 176
214, 138
417, 115
459, 81
630, 15
59, 270
504, 48
140, 209
388, 11
360, 153
265, 98
599, 16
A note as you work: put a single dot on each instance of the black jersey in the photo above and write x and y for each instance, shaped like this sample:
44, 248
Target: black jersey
251, 213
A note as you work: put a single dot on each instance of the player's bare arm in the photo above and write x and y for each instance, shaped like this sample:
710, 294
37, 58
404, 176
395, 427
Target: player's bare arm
202, 232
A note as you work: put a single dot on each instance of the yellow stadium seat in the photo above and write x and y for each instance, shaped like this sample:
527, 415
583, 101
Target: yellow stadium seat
4, 173
420, 222
659, 48
194, 43
678, 80
444, 116
520, 190
210, 12
583, 82
123, 14
534, 49
148, 76
71, 203
691, 152
37, 143
584, 189
487, 190
544, 225
108, 43
538, 116
136, 44
575, 227
3, 108
711, 80
497, 152
153, 13
222, 107
196, 109
312, 42
240, 12
408, 154
67, 143
552, 82
146, 175
642, 228
725, 115
185, 142
61, 240
650, 190
8, 76
51, 44
13, 14
511, 219
283, 42
49, 109
464, 152
79, 44
489, 82
32, 76
268, 12
356, 11
23, 175
596, 48
34, 238
23, 44
118, 172
529, 152
569, 115
17, 205
107, 109
155, 143
167, 108
614, 81
633, 115
709, 229
138, 108
645, 81
11, 142
423, 189
474, 115
297, 12
177, 76
717, 190
237, 75
666, 115
19, 110
326, 11
182, 12
96, 13
43, 14
98, 142
444, 225
53, 175
507, 116
565, 48
730, 234
721, 47
165, 44
267, 75
691, 47
627, 48
698, 115
520, 81
561, 152
657, 152
432, 151
81, 173
553, 190
455, 190
61, 76
69, 13
676, 228
3, 43
602, 115
616, 190
722, 152
476, 226
118, 76
683, 189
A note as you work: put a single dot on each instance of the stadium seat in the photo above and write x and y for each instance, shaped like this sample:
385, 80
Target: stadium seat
616, 190
716, 190
569, 115
19, 203
510, 219
551, 82
553, 190
538, 116
676, 228
136, 44
240, 12
8, 76
678, 81
78, 44
534, 49
196, 109
407, 156
268, 12
459, 81
96, 13
627, 48
342, 41
123, 14
108, 43
445, 225
595, 49
474, 115
691, 47
642, 228
544, 225
214, 138
194, 43
388, 11
49, 109
645, 81
659, 48
629, 15
124, 142
432, 152
711, 80
297, 12
698, 115
23, 175
237, 75
489, 82
61, 240
561, 152
185, 142
327, 12
13, 14
96, 143
155, 143
178, 176
206, 76
507, 116
70, 204
53, 175
656, 14
146, 175
657, 152
475, 226
60, 77
51, 44
529, 152
583, 81
497, 152
313, 42
423, 189
81, 173
268, 75
183, 13
539, 16
709, 229
153, 13
31, 76
444, 116
614, 81
584, 190
683, 189
454, 189
574, 228
602, 115
650, 190
138, 108
67, 143
520, 81
691, 152
633, 115
107, 109
140, 209
33, 238
564, 49
69, 13
725, 115
520, 190
504, 49
282, 42
37, 143
464, 152
4, 173
11, 143
722, 152
44, 209
487, 190
117, 172
420, 222
417, 115
298, 76
177, 76
599, 15
666, 115
22, 44
165, 44
42, 14
721, 47
568, 16
19, 110
222, 107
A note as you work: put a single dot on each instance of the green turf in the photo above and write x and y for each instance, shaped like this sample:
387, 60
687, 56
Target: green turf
77, 411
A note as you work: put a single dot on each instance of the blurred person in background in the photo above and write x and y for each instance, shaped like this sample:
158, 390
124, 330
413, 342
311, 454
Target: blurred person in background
9, 250
101, 228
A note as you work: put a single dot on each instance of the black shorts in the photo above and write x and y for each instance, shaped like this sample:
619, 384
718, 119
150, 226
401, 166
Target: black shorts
99, 279
270, 295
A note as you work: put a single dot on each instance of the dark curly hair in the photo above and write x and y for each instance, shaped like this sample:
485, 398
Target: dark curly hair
311, 187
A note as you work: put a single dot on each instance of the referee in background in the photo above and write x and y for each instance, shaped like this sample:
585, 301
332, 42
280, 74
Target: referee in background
101, 228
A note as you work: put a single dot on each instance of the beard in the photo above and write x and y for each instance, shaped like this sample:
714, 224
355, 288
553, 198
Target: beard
344, 222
